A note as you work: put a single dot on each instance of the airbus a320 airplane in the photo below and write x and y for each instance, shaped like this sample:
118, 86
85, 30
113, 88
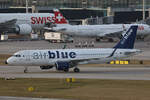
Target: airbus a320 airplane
63, 59
105, 30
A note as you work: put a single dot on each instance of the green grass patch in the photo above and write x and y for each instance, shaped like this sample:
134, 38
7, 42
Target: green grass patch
82, 89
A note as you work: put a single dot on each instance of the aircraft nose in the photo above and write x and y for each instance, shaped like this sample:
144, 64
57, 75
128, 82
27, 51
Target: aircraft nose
6, 62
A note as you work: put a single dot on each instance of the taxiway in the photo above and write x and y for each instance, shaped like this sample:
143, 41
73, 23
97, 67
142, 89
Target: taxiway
121, 73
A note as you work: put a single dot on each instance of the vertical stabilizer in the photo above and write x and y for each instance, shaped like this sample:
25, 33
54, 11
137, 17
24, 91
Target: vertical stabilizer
128, 39
59, 18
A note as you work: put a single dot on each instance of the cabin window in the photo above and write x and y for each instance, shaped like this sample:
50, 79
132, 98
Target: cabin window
17, 55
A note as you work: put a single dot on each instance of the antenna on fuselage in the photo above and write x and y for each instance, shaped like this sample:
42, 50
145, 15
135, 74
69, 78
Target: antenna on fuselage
65, 45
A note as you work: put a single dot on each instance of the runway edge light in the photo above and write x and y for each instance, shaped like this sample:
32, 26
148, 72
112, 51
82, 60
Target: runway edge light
30, 89
70, 80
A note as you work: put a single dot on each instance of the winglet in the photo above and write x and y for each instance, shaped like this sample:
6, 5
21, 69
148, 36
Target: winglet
59, 18
128, 39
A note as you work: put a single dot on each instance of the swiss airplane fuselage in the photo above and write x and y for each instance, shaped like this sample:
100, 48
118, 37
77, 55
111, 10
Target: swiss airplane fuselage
36, 20
100, 30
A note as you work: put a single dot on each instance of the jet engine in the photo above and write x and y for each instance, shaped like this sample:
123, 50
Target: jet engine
46, 67
64, 66
23, 29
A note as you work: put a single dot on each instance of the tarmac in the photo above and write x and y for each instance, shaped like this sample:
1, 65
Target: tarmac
128, 72
90, 72
23, 98
10, 47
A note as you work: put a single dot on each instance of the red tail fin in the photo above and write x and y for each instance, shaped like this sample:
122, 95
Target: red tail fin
59, 18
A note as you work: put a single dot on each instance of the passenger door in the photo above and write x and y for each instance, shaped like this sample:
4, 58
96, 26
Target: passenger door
27, 57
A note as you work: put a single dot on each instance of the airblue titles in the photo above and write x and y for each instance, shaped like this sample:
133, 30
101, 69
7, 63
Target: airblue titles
59, 54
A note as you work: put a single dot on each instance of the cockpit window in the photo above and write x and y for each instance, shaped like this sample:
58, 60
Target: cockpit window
17, 55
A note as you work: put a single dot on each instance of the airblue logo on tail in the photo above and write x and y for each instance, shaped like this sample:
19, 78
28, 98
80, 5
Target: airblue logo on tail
128, 39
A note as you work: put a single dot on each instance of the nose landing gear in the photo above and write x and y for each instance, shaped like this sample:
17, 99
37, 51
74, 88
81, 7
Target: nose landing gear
26, 70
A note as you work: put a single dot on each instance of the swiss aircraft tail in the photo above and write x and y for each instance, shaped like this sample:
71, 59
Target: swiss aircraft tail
59, 18
128, 39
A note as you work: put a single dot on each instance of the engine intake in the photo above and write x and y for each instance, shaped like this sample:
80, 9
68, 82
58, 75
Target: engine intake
62, 66
23, 29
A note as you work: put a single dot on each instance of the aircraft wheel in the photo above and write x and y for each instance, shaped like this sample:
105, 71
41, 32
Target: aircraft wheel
25, 70
66, 70
76, 70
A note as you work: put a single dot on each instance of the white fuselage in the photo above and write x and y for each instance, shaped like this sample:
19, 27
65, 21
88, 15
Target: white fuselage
50, 57
36, 20
100, 30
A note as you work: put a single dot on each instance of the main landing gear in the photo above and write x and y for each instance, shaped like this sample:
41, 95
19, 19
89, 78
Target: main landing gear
66, 70
76, 70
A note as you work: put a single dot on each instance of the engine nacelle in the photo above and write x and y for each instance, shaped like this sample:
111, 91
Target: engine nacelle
23, 29
46, 67
62, 65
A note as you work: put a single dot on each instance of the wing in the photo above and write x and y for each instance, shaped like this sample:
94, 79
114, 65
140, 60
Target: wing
81, 61
111, 33
4, 26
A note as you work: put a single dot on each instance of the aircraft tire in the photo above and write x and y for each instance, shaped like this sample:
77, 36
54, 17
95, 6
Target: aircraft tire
66, 70
76, 70
25, 71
